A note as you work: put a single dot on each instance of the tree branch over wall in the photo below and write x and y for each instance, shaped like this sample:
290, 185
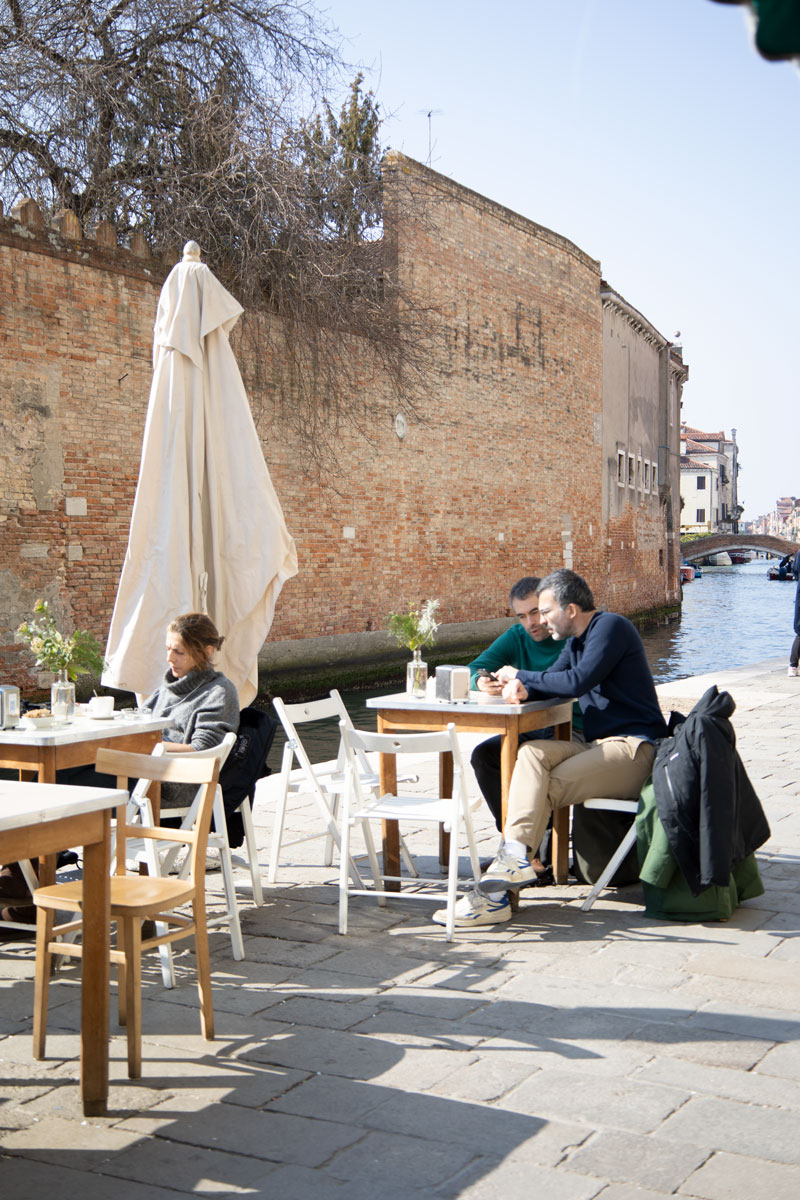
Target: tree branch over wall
207, 119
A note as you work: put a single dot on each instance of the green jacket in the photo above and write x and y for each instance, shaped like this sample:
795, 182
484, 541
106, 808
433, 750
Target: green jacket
666, 892
516, 648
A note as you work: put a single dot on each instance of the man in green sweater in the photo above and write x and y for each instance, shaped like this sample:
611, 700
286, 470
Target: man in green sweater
523, 645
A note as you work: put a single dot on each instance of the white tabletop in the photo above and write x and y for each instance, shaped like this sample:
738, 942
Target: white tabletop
404, 702
83, 729
23, 804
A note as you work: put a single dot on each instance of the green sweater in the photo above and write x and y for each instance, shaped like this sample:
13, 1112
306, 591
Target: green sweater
516, 648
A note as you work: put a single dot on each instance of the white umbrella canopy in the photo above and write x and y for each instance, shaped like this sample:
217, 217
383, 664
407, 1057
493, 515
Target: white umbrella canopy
207, 529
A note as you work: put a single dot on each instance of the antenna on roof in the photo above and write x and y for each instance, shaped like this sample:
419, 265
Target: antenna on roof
430, 113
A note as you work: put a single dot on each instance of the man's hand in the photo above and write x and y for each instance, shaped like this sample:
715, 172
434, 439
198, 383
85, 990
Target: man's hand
514, 691
490, 685
506, 674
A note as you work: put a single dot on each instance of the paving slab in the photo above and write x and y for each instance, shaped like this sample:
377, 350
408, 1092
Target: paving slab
630, 1158
734, 1177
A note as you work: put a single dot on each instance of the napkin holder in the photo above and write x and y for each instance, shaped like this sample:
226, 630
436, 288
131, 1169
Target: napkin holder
452, 683
9, 706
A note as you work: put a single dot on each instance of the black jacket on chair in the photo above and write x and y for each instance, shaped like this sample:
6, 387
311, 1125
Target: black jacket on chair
711, 814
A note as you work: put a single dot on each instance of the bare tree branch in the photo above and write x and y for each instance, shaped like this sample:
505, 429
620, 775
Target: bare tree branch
184, 118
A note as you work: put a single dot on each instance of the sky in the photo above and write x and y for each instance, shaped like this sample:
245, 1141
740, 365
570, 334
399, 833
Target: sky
653, 135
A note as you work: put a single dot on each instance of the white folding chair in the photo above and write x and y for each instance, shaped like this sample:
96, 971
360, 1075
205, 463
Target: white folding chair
325, 783
361, 806
160, 857
621, 853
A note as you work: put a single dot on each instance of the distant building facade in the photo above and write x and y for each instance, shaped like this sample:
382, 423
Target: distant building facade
643, 378
709, 470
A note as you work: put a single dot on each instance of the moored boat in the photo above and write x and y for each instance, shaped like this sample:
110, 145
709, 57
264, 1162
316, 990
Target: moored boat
783, 571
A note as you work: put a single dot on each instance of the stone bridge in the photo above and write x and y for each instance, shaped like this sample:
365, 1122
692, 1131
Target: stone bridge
694, 548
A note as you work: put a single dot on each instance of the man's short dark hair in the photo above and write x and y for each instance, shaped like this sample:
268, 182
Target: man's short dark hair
523, 588
567, 588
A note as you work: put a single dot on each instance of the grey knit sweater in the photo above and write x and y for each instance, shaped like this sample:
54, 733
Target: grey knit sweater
204, 706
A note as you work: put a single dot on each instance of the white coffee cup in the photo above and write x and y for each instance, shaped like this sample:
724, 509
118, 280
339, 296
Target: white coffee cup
101, 706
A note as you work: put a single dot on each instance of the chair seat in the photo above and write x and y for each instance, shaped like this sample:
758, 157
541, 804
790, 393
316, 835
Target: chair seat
131, 895
407, 808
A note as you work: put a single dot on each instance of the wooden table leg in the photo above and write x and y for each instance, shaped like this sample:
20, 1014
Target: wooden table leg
387, 769
445, 789
508, 757
95, 973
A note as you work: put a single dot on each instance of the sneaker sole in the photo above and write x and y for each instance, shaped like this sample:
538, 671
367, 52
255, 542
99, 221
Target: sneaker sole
487, 886
497, 918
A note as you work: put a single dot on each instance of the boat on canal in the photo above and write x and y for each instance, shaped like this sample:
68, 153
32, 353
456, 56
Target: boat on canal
783, 575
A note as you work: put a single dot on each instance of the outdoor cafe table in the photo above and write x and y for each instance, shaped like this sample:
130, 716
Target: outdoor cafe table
44, 751
403, 712
41, 819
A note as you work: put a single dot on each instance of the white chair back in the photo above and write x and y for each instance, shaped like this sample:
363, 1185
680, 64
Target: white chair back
361, 806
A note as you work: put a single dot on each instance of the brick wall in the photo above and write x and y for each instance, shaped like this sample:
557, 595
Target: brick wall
501, 475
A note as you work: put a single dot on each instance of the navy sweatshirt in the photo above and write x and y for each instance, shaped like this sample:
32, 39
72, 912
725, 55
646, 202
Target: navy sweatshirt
607, 669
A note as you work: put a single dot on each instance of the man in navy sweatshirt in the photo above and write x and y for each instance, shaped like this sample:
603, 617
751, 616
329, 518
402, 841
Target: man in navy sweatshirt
605, 666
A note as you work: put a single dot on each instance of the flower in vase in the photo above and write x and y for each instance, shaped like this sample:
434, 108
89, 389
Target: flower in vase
77, 653
416, 627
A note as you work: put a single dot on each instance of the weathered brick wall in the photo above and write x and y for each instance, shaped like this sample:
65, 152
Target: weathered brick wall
503, 475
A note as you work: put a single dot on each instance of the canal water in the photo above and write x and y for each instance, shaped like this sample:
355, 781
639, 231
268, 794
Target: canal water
732, 616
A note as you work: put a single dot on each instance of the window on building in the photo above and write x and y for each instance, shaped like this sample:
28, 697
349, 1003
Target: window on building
701, 482
654, 478
621, 468
646, 481
701, 516
639, 472
631, 471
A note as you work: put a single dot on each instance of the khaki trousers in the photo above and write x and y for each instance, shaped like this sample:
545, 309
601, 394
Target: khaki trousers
551, 775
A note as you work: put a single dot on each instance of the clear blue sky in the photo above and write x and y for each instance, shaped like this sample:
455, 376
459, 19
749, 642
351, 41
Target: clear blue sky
652, 134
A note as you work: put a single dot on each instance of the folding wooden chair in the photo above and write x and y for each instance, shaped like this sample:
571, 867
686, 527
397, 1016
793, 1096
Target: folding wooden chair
361, 806
621, 853
324, 783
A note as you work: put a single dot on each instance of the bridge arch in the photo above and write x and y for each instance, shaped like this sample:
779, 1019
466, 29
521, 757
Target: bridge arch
694, 548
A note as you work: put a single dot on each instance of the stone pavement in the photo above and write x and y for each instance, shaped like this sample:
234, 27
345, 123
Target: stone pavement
569, 1055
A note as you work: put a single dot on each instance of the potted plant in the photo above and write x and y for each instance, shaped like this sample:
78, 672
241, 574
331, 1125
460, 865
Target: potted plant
65, 655
414, 629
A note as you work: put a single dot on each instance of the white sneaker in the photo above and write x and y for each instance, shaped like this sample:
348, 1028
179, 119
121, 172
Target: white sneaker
792, 672
475, 909
506, 871
212, 862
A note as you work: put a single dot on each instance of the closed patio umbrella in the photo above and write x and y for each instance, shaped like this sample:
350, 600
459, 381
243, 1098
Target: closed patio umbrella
207, 530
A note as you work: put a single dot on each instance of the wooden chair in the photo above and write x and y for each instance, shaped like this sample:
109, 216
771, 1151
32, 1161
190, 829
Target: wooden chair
361, 806
135, 898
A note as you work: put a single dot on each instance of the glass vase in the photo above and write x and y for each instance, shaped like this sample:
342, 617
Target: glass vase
417, 676
62, 697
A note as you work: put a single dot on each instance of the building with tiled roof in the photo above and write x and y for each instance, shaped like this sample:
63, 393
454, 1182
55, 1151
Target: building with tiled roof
709, 469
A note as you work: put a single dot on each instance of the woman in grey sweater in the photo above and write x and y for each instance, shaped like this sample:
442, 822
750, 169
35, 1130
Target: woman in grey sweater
202, 703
